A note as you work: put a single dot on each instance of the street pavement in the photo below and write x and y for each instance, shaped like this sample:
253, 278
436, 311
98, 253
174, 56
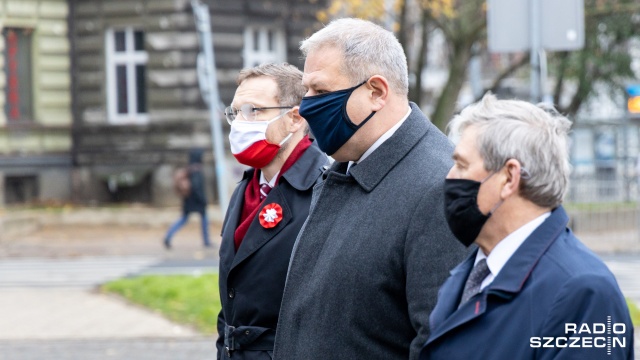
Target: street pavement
50, 307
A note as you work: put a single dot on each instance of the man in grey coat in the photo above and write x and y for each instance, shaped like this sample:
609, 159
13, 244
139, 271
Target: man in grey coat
367, 264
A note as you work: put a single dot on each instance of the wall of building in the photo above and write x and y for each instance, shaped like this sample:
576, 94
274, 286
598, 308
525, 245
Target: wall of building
178, 119
41, 146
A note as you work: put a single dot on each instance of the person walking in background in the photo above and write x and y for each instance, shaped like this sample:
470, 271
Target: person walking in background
531, 290
267, 208
368, 263
189, 184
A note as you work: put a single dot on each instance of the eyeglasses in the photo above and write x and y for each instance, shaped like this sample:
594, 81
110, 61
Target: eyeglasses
249, 112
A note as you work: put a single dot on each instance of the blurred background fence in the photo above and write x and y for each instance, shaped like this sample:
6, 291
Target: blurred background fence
604, 186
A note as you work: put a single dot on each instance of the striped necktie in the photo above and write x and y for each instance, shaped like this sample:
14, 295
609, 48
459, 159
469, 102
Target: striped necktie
264, 191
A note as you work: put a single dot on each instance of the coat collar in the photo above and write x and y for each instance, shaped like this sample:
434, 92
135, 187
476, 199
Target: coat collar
507, 284
518, 268
371, 171
302, 175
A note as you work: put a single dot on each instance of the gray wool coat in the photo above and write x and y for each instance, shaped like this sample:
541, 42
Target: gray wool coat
367, 265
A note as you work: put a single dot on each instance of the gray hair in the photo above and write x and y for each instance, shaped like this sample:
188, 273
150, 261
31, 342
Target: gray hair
368, 50
287, 76
536, 136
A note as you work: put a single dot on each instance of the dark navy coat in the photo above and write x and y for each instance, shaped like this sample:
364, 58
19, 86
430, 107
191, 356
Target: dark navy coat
252, 280
551, 280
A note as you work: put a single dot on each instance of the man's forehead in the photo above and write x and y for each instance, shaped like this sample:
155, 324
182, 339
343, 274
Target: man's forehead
322, 67
259, 93
466, 149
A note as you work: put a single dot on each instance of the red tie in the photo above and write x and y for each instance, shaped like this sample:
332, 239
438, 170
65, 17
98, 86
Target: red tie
264, 191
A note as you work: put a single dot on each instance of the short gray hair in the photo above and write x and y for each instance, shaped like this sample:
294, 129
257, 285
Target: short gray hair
536, 136
287, 76
368, 50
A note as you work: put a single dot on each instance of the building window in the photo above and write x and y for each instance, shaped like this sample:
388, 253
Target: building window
20, 189
126, 73
17, 70
263, 45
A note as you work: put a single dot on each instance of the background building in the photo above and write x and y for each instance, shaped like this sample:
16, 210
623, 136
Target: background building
100, 98
35, 98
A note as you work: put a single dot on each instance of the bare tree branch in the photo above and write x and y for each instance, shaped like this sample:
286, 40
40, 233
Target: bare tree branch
505, 74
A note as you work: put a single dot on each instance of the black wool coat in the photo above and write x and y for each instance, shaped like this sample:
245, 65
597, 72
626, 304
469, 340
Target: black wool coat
252, 280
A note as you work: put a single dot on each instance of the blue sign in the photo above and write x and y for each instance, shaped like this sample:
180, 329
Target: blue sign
633, 90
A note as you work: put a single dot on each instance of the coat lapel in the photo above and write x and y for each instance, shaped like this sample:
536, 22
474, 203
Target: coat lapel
373, 169
446, 315
257, 235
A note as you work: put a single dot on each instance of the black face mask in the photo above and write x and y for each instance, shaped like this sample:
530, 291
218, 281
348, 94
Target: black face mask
461, 209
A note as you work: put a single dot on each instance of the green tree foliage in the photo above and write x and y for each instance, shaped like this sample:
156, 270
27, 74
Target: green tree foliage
605, 59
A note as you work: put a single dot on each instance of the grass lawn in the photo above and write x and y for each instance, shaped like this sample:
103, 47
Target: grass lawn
635, 313
192, 300
600, 206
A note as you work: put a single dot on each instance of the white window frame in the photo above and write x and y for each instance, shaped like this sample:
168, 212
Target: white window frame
254, 57
130, 58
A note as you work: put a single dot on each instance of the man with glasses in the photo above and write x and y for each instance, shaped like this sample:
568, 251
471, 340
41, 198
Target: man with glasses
367, 265
268, 207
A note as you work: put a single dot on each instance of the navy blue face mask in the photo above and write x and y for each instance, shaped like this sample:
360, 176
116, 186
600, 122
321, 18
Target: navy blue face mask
327, 117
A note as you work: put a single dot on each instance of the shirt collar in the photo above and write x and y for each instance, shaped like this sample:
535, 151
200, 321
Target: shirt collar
381, 140
271, 183
503, 251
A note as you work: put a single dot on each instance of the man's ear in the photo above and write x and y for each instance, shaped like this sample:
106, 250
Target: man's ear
295, 121
512, 183
379, 90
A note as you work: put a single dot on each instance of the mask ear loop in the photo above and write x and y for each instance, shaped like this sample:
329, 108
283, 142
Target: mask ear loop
285, 139
277, 118
345, 116
524, 173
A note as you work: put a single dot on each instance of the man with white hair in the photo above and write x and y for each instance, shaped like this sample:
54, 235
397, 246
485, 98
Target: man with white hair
375, 248
531, 290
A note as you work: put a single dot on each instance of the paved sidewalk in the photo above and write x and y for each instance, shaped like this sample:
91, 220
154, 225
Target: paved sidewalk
46, 314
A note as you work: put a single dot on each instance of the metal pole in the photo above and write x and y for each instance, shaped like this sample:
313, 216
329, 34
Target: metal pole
544, 75
203, 24
535, 49
475, 71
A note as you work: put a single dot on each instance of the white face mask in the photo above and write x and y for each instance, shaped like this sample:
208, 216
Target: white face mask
249, 145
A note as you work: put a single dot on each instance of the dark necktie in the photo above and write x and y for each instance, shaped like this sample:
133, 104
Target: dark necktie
264, 191
474, 281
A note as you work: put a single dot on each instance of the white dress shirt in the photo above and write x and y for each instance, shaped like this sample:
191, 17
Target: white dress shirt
503, 251
272, 183
380, 140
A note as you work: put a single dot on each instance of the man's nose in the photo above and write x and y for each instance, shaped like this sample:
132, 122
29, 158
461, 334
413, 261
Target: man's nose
450, 173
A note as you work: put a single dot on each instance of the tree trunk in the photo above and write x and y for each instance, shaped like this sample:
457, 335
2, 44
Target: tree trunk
585, 83
403, 30
415, 92
446, 105
562, 69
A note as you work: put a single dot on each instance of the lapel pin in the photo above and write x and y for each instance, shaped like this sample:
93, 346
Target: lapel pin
270, 215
